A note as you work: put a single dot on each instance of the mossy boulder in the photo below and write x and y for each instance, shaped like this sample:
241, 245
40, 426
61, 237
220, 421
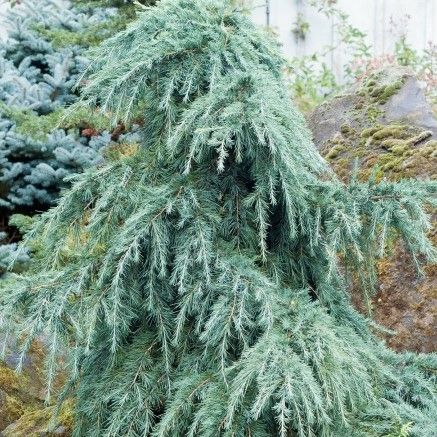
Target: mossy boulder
17, 393
386, 126
11, 409
391, 95
42, 423
22, 408
29, 384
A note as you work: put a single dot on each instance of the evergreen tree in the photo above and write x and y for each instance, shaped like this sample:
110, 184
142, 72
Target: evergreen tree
39, 144
37, 80
122, 12
10, 252
194, 280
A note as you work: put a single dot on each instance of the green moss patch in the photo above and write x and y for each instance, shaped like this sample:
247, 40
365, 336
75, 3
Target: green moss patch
11, 409
379, 92
394, 151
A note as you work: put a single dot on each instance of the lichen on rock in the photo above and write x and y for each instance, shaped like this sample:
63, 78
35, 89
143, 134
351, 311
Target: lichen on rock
42, 422
32, 424
11, 409
22, 408
394, 151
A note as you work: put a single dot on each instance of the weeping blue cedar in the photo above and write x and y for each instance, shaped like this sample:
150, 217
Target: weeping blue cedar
194, 281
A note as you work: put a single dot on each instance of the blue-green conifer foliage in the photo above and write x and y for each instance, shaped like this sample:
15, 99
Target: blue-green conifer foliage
193, 284
38, 78
39, 144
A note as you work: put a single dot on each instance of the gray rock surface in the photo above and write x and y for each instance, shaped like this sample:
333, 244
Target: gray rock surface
410, 105
398, 97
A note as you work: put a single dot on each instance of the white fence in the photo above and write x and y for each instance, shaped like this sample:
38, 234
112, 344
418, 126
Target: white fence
375, 17
382, 20
3, 9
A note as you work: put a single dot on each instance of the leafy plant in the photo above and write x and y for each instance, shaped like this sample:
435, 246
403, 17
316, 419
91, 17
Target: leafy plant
311, 81
300, 27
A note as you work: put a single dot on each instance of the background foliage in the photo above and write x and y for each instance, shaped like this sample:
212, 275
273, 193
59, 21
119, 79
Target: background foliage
40, 144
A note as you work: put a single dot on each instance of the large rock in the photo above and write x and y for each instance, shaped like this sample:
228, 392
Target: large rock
18, 392
409, 103
22, 408
385, 123
392, 95
40, 423
11, 409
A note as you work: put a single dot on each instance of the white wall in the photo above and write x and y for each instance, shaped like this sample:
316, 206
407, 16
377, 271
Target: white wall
372, 16
3, 7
